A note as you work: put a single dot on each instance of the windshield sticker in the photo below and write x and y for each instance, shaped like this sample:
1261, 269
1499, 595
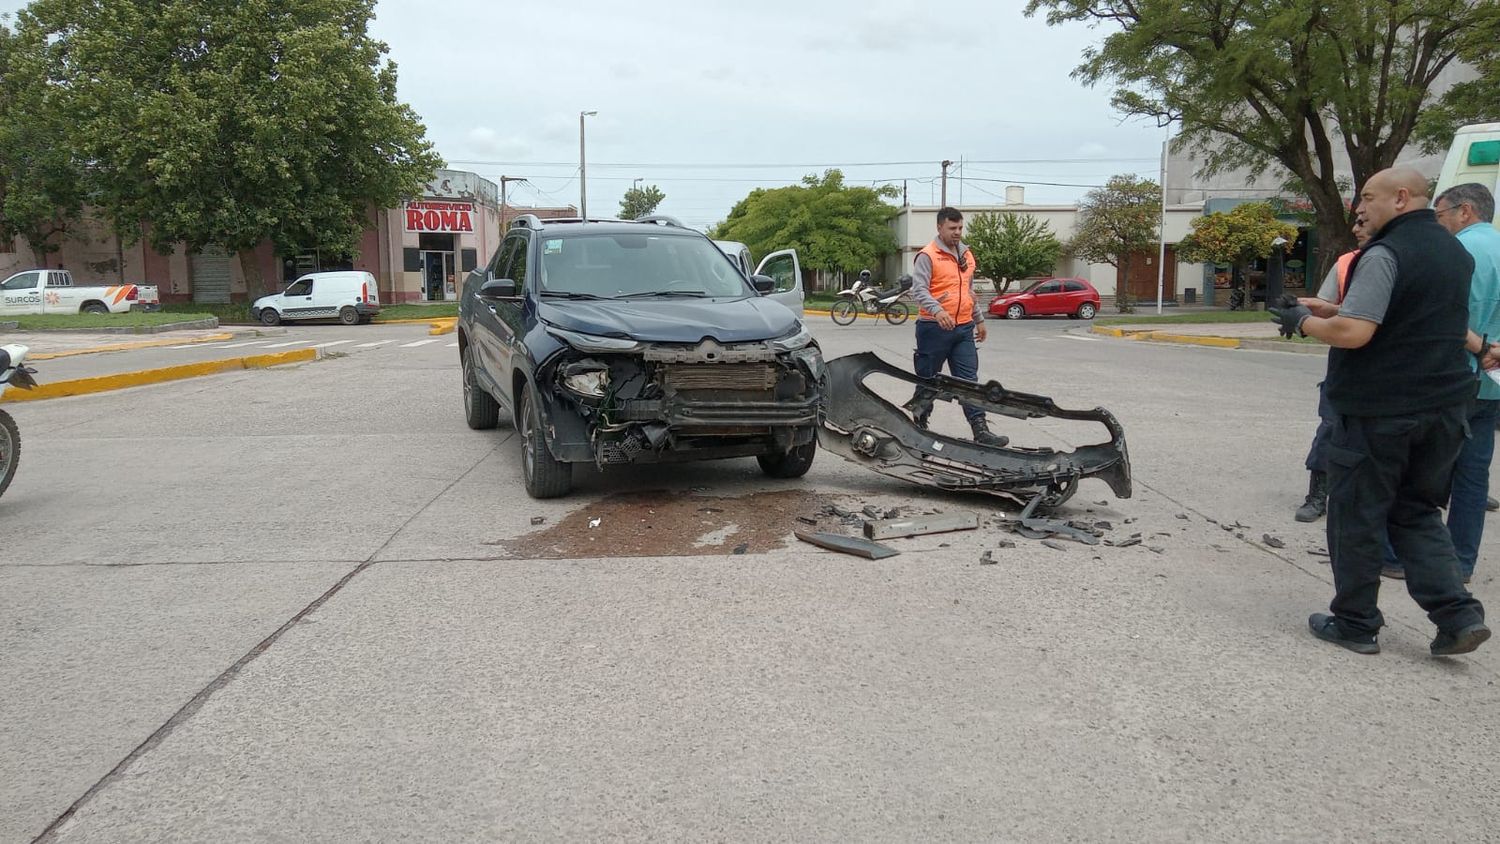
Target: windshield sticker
552, 247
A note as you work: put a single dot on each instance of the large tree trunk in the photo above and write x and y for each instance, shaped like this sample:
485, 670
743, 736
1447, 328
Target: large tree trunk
255, 284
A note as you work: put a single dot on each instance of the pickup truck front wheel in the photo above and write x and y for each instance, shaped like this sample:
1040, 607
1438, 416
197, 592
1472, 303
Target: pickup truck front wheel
96, 308
268, 316
793, 463
546, 477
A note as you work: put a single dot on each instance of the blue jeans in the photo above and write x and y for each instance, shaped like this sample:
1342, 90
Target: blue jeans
1471, 484
955, 347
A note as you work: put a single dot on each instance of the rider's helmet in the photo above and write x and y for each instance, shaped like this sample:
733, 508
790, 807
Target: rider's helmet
864, 275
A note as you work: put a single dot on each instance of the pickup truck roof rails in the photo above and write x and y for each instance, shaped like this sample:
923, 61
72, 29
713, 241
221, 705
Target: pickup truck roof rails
661, 218
526, 221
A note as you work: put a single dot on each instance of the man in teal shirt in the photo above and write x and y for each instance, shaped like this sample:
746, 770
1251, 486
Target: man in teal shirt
1468, 211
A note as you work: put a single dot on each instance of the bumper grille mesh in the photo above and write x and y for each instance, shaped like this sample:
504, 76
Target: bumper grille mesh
724, 376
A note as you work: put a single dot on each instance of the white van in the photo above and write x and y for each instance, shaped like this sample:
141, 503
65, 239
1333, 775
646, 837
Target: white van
782, 266
1473, 157
350, 297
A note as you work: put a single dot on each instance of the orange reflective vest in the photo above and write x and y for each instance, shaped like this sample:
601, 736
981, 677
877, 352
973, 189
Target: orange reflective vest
1342, 265
951, 285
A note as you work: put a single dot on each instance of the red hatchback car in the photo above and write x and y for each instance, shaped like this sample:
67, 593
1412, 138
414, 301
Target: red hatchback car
1074, 297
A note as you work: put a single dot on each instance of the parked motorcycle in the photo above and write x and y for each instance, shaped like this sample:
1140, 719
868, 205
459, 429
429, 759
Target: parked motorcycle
13, 373
863, 296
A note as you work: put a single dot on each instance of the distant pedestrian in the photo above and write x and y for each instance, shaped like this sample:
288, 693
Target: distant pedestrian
1332, 291
1400, 381
949, 321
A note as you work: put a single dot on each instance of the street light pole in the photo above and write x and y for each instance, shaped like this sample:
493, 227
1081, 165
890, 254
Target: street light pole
1161, 255
583, 185
946, 165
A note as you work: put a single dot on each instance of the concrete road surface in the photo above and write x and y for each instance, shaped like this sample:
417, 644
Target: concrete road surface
310, 604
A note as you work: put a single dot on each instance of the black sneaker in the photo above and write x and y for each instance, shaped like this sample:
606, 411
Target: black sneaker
1460, 641
1326, 628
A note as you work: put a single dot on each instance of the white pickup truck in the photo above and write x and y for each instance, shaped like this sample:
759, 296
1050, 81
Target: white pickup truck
53, 292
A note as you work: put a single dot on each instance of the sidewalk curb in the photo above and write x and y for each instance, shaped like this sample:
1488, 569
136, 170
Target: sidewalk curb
190, 325
440, 325
127, 347
140, 378
1262, 344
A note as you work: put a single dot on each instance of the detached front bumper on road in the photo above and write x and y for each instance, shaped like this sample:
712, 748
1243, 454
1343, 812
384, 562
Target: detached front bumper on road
866, 429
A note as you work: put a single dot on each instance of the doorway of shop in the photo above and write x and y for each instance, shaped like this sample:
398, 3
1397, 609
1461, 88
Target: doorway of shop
439, 276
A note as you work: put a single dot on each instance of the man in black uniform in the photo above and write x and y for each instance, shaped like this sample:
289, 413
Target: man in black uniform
1400, 384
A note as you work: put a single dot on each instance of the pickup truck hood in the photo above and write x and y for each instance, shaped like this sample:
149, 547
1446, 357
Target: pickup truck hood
671, 320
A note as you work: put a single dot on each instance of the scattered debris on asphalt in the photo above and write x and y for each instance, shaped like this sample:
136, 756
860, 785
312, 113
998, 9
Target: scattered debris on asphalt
1273, 541
921, 525
538, 520
1156, 549
1182, 516
1054, 544
987, 558
741, 548
847, 544
1006, 543
1135, 539
593, 523
807, 521
872, 511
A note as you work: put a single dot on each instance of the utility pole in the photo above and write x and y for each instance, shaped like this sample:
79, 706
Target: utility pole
583, 185
1161, 255
946, 165
961, 175
504, 180
903, 193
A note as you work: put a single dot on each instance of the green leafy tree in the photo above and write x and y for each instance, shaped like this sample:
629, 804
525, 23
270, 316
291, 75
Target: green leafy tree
1009, 246
1282, 82
834, 227
1115, 222
639, 202
41, 185
1236, 237
233, 123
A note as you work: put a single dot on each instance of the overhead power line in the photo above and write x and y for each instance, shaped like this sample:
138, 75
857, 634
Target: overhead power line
766, 166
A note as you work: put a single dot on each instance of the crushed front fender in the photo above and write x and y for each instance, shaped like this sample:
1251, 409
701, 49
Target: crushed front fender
862, 427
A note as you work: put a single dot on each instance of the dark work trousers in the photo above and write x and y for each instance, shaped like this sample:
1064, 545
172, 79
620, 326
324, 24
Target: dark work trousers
1392, 473
955, 347
1317, 454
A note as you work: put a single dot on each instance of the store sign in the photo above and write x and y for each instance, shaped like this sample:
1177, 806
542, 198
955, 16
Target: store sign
434, 216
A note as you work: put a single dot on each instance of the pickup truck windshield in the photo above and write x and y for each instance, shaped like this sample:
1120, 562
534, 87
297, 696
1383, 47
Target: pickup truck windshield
638, 266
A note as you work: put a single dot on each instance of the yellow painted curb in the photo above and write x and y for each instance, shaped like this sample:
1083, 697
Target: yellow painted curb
1107, 331
125, 380
125, 347
1194, 340
440, 325
444, 326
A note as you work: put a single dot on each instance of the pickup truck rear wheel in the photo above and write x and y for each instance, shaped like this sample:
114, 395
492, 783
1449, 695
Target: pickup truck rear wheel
789, 464
546, 477
96, 308
268, 316
348, 316
481, 410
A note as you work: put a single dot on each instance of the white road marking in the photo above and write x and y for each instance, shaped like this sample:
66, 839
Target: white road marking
419, 343
283, 345
376, 343
331, 343
196, 346
1084, 339
242, 345
452, 345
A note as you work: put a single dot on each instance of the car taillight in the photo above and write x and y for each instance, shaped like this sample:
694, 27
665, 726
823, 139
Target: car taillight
133, 295
364, 292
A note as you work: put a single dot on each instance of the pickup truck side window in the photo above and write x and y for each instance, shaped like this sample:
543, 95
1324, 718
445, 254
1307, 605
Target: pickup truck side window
21, 281
300, 288
517, 270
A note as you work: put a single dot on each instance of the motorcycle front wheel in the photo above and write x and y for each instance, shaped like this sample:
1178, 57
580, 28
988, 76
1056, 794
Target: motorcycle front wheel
10, 449
843, 312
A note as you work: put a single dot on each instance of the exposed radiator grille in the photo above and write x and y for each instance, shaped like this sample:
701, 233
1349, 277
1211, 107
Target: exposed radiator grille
721, 376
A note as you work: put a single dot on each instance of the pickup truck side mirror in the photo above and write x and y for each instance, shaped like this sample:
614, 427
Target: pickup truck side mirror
498, 288
763, 284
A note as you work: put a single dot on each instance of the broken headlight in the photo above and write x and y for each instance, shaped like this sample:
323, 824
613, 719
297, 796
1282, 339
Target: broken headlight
794, 341
585, 379
594, 342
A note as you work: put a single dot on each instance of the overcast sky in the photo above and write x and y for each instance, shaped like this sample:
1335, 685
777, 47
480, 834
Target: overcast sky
710, 99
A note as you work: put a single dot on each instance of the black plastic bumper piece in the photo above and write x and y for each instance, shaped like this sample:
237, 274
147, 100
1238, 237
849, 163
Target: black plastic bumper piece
866, 429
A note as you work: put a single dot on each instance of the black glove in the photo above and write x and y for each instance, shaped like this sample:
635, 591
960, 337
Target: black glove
1289, 313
